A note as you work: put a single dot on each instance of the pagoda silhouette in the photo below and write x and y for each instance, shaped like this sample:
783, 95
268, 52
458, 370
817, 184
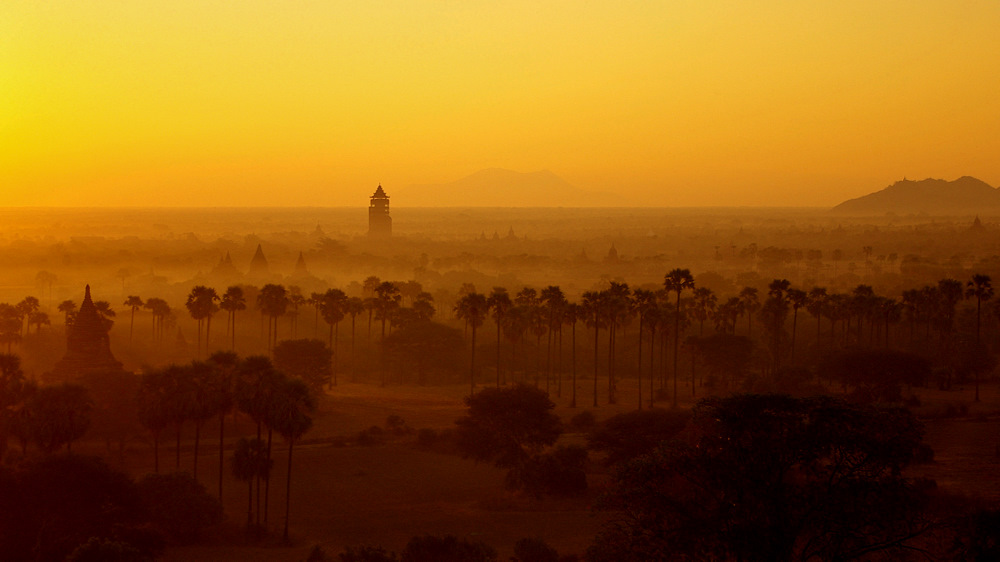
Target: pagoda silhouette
379, 221
88, 346
258, 265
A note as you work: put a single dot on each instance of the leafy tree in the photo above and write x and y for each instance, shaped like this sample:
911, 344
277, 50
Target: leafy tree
309, 360
773, 478
179, 505
560, 472
877, 375
333, 308
724, 354
107, 550
13, 395
506, 426
59, 415
534, 550
429, 348
632, 434
115, 408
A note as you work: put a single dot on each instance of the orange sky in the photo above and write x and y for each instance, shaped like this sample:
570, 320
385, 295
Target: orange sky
196, 102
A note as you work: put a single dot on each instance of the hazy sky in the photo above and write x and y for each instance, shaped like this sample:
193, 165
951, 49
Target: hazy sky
197, 102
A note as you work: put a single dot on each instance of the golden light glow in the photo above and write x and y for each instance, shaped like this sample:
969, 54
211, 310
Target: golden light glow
192, 102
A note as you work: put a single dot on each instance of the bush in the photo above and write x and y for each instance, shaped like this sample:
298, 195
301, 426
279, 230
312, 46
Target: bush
397, 426
374, 435
179, 505
583, 421
629, 435
534, 550
559, 473
446, 549
104, 550
367, 554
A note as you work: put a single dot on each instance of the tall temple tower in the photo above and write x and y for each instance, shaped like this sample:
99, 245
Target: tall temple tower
379, 221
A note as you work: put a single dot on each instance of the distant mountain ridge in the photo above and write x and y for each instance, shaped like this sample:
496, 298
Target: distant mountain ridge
497, 187
930, 196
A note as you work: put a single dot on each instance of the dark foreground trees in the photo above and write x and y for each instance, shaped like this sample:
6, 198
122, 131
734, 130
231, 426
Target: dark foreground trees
773, 478
510, 427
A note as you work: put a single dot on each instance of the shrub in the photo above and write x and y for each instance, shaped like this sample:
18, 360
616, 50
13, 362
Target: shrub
367, 554
583, 421
179, 505
374, 435
446, 549
534, 550
629, 435
559, 473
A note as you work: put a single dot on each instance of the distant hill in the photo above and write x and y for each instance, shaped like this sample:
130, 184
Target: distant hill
966, 195
496, 187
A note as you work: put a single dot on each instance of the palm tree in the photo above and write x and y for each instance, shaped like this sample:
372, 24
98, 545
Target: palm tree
160, 310
570, 314
386, 300
333, 308
134, 303
593, 308
68, 308
272, 302
250, 462
677, 281
815, 305
797, 298
224, 364
256, 383
370, 284
37, 319
618, 307
644, 301
499, 302
750, 302
201, 305
354, 307
26, 308
295, 299
291, 418
233, 301
473, 309
553, 299
980, 288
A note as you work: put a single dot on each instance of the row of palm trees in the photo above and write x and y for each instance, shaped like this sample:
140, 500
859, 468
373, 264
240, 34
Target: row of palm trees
859, 317
176, 395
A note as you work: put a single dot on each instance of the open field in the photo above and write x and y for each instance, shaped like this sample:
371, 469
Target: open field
346, 494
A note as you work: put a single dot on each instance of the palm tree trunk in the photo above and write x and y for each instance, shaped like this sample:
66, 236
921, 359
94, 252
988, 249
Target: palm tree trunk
267, 479
652, 347
498, 351
208, 331
572, 403
177, 449
472, 363
222, 447
677, 336
197, 440
639, 372
234, 329
131, 326
288, 488
596, 359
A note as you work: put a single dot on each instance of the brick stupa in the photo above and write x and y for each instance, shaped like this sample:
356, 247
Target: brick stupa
88, 347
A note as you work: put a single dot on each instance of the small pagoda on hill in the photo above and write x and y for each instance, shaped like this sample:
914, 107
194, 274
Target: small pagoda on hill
88, 346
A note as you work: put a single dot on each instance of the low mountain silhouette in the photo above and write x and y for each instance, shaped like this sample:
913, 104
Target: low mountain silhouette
496, 187
966, 195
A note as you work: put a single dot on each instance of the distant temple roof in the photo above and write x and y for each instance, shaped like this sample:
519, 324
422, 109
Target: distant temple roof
258, 265
300, 265
380, 193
